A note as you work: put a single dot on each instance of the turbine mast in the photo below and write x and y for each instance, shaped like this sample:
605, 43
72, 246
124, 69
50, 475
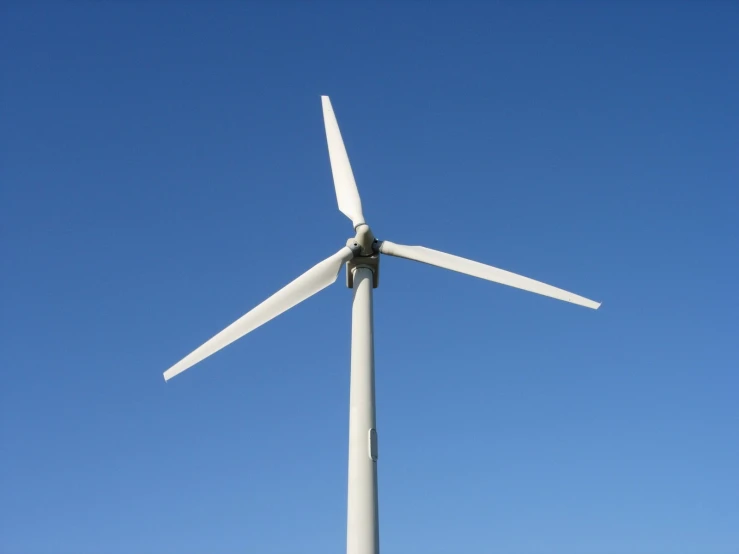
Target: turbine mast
362, 528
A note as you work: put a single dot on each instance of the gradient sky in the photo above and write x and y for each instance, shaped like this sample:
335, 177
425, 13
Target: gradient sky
164, 169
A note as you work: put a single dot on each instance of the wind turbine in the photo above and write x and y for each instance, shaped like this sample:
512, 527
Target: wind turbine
361, 256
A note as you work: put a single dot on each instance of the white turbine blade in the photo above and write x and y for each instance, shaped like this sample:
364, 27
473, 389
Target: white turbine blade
487, 272
309, 283
346, 188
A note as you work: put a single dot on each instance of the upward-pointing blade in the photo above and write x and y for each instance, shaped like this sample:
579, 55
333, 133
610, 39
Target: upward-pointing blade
487, 272
346, 188
309, 283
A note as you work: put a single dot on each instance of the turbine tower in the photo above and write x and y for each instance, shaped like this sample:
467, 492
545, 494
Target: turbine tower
361, 256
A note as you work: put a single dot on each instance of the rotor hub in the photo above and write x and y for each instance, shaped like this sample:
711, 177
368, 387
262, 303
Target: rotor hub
364, 243
366, 250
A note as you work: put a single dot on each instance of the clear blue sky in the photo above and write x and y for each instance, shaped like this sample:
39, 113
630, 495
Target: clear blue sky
164, 169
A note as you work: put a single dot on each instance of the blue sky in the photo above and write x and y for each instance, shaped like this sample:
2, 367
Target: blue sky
164, 169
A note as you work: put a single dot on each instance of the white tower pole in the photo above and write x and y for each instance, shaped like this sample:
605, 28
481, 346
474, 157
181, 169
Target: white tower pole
362, 527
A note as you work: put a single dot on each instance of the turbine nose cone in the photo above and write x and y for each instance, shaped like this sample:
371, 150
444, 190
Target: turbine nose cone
365, 239
353, 245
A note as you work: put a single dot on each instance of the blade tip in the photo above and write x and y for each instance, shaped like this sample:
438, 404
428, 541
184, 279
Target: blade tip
585, 302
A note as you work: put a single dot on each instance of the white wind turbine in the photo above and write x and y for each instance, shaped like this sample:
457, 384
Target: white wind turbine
361, 254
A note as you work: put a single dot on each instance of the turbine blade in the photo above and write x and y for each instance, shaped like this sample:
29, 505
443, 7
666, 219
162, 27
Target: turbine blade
346, 188
309, 283
487, 272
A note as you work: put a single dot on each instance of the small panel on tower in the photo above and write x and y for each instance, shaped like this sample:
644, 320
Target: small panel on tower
373, 444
